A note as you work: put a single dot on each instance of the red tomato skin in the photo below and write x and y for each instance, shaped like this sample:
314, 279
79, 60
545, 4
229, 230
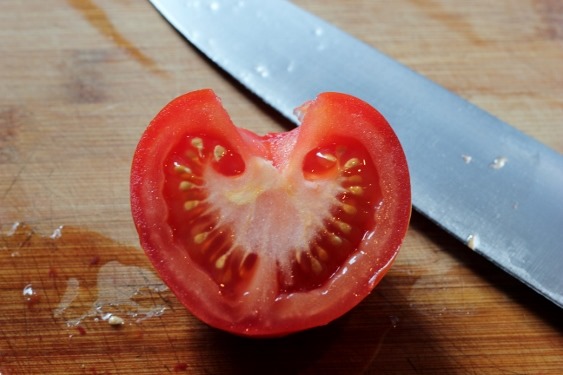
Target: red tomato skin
329, 116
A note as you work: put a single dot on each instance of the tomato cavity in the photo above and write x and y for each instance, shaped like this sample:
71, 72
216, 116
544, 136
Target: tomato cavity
232, 215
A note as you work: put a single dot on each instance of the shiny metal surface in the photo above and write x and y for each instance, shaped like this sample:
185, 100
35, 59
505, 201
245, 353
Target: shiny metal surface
482, 180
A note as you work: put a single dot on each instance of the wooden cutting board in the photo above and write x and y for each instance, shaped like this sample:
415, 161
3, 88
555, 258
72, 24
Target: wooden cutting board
79, 81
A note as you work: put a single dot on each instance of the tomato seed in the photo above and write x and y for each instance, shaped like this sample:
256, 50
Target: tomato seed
179, 168
186, 185
200, 237
351, 163
349, 209
356, 190
334, 239
197, 143
218, 152
115, 320
344, 227
325, 160
189, 205
322, 254
326, 156
316, 265
220, 262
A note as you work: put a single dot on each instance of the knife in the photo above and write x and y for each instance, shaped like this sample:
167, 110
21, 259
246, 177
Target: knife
489, 185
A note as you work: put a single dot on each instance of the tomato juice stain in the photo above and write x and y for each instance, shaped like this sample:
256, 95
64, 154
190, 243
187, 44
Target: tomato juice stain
180, 367
64, 294
64, 328
95, 260
80, 275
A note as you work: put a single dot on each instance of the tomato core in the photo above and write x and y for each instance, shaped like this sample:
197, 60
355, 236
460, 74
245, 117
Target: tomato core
202, 171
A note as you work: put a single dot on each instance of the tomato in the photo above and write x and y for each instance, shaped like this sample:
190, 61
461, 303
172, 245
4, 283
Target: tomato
269, 235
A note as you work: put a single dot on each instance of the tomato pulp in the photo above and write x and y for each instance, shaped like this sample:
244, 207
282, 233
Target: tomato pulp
269, 235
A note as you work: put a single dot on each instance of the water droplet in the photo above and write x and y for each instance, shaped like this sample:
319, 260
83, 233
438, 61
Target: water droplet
193, 35
394, 321
263, 71
319, 31
57, 233
299, 112
499, 162
214, 6
472, 241
118, 286
290, 67
31, 297
192, 3
246, 77
14, 228
70, 294
28, 290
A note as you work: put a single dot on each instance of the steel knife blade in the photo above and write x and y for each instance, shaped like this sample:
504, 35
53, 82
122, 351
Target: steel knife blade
489, 185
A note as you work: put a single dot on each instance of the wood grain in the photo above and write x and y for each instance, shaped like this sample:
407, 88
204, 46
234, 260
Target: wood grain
81, 79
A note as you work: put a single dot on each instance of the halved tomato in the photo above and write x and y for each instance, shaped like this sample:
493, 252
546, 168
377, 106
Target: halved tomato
269, 235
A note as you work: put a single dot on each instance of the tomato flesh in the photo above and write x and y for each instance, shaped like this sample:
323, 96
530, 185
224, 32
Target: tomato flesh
249, 231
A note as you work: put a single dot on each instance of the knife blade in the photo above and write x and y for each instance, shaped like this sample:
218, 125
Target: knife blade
483, 181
